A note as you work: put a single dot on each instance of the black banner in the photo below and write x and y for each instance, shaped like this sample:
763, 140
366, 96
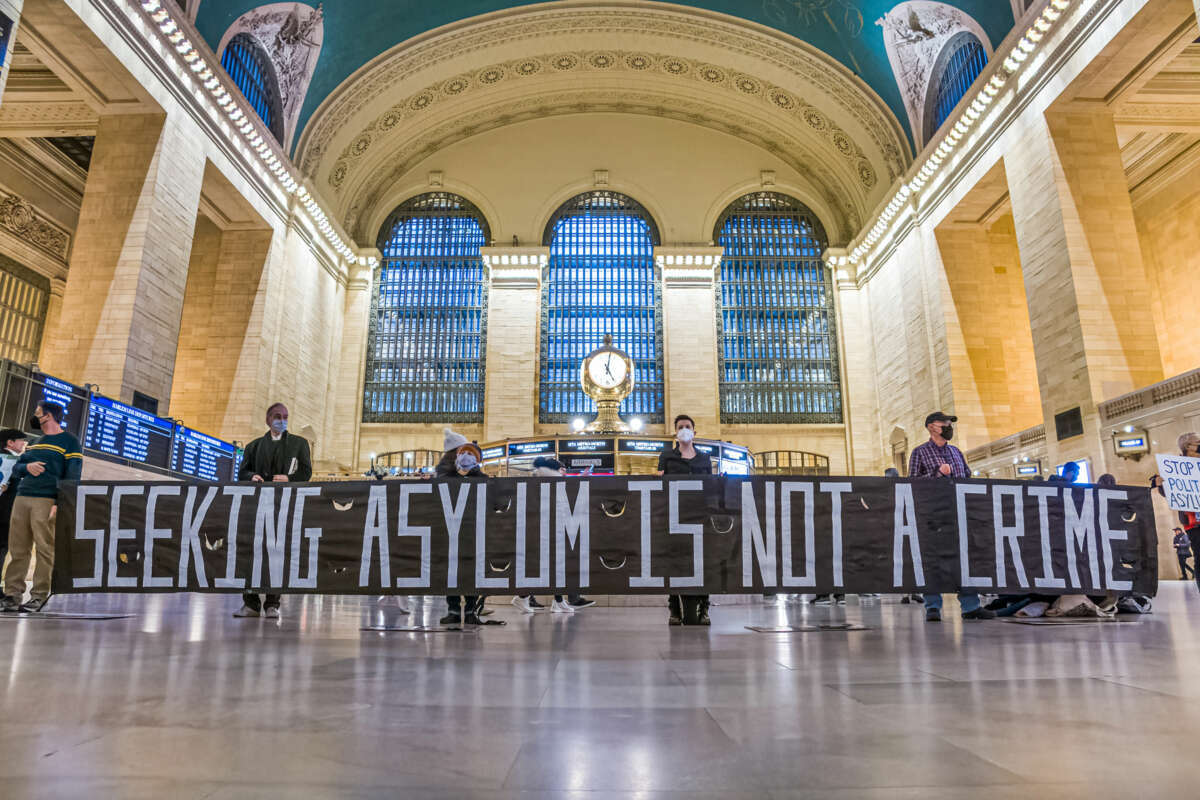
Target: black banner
617, 535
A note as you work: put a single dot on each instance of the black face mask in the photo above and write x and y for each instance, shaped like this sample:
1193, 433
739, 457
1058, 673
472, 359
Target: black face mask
948, 432
35, 423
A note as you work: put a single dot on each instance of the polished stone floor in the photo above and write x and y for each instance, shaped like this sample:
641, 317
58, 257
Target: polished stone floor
183, 701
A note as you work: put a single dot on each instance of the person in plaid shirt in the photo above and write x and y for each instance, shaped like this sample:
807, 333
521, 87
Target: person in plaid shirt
937, 458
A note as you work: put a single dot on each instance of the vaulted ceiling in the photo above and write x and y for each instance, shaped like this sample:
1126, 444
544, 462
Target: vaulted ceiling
357, 31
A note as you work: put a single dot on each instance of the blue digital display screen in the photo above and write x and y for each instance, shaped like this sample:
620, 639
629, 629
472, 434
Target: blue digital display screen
67, 395
531, 448
127, 432
202, 456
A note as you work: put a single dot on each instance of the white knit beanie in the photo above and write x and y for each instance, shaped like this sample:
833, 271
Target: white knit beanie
453, 440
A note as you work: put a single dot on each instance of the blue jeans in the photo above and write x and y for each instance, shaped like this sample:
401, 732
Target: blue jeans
968, 600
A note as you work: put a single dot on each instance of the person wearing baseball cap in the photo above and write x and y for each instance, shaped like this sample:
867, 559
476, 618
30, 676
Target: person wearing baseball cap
938, 459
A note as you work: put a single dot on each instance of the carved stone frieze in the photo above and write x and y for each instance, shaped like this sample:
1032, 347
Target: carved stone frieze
615, 21
19, 217
291, 34
914, 33
772, 97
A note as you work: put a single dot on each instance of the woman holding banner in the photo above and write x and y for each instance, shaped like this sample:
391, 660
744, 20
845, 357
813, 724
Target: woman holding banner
1189, 447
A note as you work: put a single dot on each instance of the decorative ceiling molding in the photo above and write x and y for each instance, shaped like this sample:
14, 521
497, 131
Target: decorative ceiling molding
842, 93
544, 69
374, 182
33, 228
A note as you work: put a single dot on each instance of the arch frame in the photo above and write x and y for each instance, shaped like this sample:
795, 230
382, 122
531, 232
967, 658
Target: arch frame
270, 76
563, 212
937, 74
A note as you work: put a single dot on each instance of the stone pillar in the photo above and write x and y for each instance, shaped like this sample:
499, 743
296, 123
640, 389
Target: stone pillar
860, 408
690, 345
128, 272
348, 400
1085, 283
513, 336
58, 288
223, 283
10, 15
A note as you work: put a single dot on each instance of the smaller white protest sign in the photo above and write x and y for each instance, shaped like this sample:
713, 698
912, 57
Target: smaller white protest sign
1181, 481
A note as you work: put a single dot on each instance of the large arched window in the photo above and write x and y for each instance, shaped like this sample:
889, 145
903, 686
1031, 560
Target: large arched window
426, 340
957, 67
601, 278
779, 361
251, 69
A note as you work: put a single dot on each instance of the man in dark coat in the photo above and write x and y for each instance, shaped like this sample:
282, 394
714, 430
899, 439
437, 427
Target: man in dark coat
276, 456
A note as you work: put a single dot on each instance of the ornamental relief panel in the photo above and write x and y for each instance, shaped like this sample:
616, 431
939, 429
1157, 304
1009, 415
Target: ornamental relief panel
772, 97
368, 195
685, 29
20, 218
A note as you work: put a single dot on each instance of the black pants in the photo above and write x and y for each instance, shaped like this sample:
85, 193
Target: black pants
253, 601
1184, 568
454, 603
688, 607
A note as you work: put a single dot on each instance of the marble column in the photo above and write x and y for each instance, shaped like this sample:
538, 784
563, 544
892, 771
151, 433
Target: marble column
123, 302
690, 345
513, 336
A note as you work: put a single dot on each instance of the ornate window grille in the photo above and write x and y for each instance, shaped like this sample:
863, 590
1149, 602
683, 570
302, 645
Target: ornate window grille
427, 333
601, 278
961, 61
251, 69
24, 295
775, 315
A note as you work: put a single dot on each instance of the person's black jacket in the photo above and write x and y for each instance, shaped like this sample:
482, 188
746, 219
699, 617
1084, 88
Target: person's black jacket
259, 460
670, 462
448, 467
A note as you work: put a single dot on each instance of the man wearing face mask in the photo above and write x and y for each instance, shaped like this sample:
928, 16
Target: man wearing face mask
279, 457
55, 457
939, 459
685, 459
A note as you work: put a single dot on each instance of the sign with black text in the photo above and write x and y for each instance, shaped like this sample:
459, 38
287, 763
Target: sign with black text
612, 535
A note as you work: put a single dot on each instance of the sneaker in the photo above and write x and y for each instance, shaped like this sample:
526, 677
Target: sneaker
472, 619
822, 600
271, 612
450, 619
534, 604
704, 620
247, 611
905, 599
485, 612
561, 607
9, 605
33, 606
980, 613
674, 620
917, 598
933, 615
583, 602
524, 605
841, 599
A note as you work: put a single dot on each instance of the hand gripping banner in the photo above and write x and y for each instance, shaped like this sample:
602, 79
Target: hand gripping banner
618, 535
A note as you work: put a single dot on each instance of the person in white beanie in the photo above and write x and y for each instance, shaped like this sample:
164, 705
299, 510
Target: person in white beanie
460, 459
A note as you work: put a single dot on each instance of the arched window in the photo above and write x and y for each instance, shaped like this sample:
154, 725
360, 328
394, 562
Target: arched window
426, 337
779, 357
251, 69
957, 67
601, 278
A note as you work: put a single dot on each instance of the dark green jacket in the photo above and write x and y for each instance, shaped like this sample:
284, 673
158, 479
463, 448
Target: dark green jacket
261, 459
63, 459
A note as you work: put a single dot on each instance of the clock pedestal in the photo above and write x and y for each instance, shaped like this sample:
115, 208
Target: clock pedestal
607, 419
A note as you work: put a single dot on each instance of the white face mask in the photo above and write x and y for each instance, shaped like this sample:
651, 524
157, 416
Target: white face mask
685, 435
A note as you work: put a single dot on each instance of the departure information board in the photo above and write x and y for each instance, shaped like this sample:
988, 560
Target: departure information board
127, 432
202, 456
67, 395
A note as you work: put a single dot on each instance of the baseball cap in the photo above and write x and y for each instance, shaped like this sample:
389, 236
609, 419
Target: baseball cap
938, 416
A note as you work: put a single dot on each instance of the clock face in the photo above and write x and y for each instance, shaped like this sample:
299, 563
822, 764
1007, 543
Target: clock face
607, 370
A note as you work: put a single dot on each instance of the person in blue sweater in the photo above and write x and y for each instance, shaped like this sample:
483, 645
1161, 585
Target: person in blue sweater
55, 457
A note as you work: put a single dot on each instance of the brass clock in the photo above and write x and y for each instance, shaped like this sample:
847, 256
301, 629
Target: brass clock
607, 377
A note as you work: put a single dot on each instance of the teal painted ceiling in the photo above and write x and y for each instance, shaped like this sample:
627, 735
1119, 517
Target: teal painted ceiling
356, 31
